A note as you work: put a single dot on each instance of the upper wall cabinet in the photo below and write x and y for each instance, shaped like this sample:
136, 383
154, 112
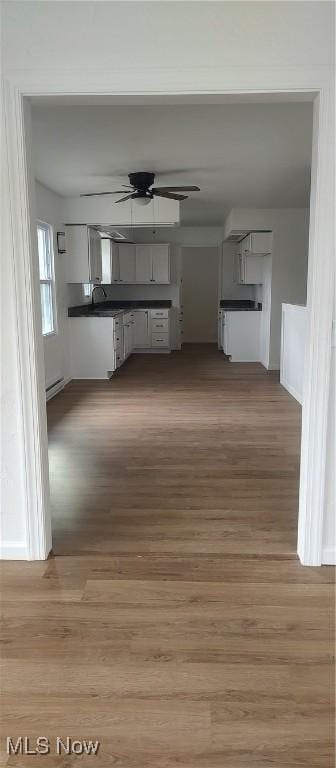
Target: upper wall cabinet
256, 244
102, 210
83, 255
124, 271
118, 262
91, 258
153, 263
250, 269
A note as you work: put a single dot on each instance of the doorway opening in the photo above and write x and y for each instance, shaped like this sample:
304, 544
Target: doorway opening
41, 507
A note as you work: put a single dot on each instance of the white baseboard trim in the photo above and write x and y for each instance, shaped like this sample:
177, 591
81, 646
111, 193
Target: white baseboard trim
329, 556
151, 351
13, 550
292, 391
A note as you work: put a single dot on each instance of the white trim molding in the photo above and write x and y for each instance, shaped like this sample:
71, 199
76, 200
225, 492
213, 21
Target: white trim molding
320, 295
13, 550
161, 82
329, 556
22, 235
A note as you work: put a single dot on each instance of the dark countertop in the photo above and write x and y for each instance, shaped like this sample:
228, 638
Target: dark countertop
112, 308
240, 305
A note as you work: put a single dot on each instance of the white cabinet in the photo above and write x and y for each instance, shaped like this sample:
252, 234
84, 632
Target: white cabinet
240, 336
250, 269
152, 329
160, 328
153, 263
142, 336
83, 255
143, 263
257, 243
250, 253
160, 263
100, 345
126, 263
92, 352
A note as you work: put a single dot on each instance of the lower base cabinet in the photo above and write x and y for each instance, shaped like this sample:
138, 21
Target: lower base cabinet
92, 350
142, 334
240, 336
152, 329
98, 346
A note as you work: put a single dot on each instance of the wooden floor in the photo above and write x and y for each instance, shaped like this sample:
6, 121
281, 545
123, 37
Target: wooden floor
173, 621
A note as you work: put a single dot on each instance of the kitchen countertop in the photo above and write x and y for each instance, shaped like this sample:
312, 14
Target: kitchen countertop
240, 305
113, 308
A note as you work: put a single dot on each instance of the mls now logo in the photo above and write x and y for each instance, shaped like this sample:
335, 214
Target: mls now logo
42, 746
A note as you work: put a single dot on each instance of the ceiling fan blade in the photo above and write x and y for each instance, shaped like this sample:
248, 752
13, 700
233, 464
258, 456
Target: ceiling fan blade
176, 189
99, 194
169, 195
128, 197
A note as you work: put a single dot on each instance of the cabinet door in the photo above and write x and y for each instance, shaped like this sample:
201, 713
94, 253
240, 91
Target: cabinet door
77, 255
258, 243
242, 330
91, 347
95, 256
127, 263
142, 331
253, 270
143, 264
160, 264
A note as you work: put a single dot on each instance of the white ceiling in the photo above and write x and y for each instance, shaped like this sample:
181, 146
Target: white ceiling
245, 155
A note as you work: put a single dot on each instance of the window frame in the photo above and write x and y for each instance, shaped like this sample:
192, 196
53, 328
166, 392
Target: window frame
51, 281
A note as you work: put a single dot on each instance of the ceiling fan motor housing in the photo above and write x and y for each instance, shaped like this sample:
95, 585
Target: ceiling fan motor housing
141, 180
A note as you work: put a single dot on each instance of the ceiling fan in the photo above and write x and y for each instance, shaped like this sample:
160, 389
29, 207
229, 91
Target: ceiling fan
141, 189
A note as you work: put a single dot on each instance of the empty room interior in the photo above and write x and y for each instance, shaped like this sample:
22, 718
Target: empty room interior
169, 248
167, 316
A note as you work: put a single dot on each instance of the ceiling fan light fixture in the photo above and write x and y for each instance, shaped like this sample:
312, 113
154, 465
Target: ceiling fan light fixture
143, 199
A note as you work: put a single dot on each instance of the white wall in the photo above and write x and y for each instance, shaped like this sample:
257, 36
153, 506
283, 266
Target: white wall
50, 209
200, 273
329, 529
293, 348
77, 35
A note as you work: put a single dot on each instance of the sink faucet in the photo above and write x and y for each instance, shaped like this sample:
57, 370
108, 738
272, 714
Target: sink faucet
94, 289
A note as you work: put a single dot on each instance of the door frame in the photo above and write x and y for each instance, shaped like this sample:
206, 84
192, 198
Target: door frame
315, 84
218, 247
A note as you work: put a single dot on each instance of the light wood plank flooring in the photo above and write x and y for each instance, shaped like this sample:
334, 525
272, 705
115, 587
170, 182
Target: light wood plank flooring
173, 621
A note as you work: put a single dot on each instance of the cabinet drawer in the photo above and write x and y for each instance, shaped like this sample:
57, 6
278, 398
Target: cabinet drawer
160, 339
160, 325
157, 313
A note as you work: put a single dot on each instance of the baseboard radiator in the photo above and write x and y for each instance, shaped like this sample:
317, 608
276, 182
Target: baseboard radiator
54, 388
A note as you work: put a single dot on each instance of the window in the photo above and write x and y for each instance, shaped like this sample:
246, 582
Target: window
47, 281
87, 289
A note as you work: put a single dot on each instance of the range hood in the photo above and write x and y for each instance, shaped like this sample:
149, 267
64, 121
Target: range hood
241, 221
236, 235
